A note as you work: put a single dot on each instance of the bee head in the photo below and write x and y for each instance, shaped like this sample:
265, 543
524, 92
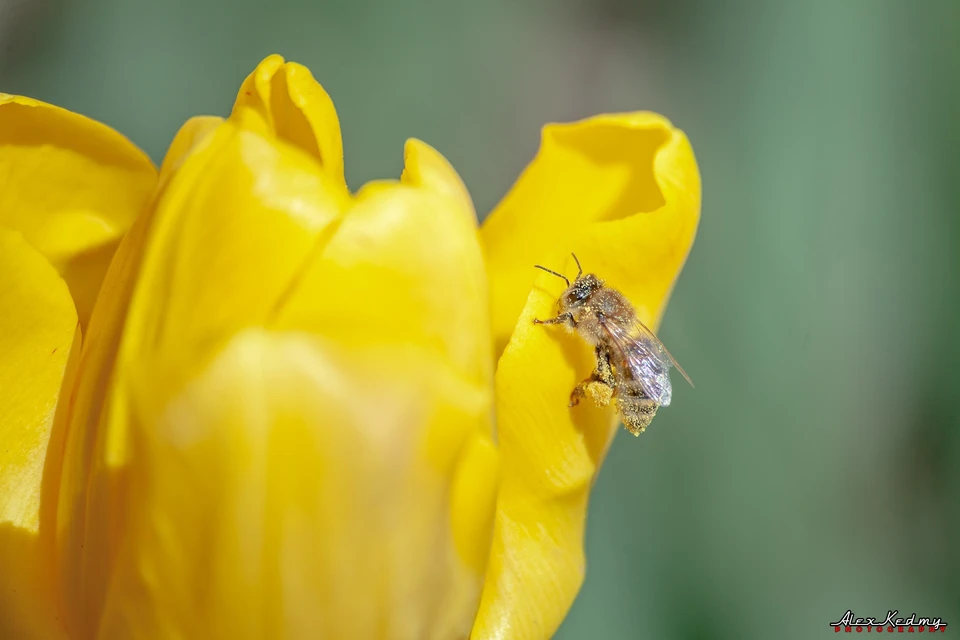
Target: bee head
580, 291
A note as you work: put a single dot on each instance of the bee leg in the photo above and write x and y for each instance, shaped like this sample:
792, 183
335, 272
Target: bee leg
604, 372
563, 318
600, 392
579, 391
601, 383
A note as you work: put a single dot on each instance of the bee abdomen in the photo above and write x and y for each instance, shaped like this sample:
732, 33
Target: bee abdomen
636, 409
637, 412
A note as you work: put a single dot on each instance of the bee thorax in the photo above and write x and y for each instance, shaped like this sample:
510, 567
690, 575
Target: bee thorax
612, 304
590, 328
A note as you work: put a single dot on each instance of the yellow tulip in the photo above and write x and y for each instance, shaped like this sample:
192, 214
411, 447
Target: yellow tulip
296, 411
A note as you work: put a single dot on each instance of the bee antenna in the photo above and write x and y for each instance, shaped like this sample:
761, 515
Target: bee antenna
554, 273
579, 268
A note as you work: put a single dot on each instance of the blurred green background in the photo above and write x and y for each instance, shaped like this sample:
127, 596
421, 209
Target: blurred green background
816, 466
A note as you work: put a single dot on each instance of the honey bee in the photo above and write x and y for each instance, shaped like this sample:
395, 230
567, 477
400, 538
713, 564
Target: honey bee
633, 366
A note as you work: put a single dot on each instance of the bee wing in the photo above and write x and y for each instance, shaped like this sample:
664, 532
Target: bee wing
664, 355
646, 357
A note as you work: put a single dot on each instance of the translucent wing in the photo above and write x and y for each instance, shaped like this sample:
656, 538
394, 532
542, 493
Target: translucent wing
650, 336
648, 360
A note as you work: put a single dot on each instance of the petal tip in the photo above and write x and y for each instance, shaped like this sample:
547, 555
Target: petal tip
424, 166
283, 100
271, 63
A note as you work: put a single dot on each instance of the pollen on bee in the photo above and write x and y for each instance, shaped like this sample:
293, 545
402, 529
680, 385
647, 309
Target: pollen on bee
600, 393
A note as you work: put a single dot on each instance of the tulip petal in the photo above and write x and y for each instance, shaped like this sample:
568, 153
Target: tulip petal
623, 192
86, 420
225, 239
404, 266
292, 490
191, 134
231, 235
424, 166
72, 187
38, 331
473, 499
295, 108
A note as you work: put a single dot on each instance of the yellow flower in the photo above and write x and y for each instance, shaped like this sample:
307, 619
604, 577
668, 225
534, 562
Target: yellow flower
295, 411
69, 189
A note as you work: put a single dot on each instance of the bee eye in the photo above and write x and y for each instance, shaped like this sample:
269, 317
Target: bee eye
577, 295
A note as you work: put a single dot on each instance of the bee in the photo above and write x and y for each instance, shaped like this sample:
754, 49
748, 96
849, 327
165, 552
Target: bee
633, 366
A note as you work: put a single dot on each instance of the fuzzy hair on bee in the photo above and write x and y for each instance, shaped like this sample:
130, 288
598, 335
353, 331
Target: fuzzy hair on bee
633, 366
